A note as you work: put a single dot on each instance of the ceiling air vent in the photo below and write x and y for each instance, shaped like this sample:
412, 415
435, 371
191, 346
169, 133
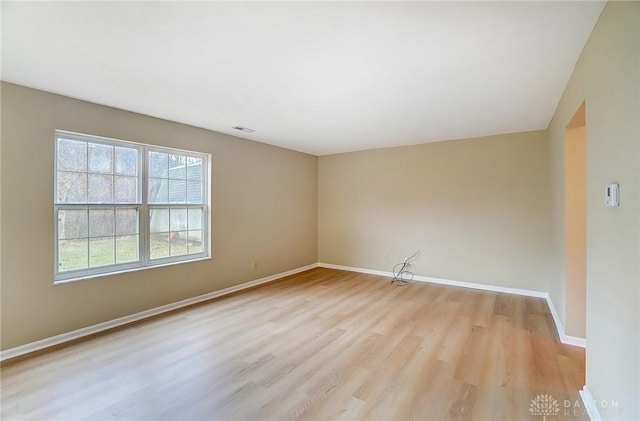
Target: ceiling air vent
243, 129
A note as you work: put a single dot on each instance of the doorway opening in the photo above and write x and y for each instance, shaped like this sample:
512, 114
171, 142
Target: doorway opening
575, 224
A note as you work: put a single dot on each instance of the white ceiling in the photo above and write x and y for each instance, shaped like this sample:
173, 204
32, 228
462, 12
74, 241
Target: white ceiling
321, 78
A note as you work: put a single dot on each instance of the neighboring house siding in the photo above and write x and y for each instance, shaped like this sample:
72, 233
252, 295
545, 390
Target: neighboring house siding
171, 191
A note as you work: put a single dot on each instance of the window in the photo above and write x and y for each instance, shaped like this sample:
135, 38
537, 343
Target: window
122, 205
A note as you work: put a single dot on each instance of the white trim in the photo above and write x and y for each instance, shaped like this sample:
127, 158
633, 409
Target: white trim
141, 205
352, 269
556, 316
588, 401
573, 340
89, 330
130, 270
484, 287
564, 338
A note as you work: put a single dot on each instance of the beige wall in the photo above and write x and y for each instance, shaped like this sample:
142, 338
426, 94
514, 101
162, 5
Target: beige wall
264, 209
477, 208
607, 78
575, 217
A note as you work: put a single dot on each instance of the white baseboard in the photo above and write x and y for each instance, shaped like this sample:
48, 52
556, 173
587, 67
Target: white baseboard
573, 340
588, 401
352, 269
564, 338
89, 330
484, 287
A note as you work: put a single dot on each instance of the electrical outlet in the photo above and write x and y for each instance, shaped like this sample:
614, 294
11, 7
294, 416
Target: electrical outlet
255, 265
386, 258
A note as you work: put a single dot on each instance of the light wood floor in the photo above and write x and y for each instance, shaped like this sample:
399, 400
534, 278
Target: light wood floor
323, 344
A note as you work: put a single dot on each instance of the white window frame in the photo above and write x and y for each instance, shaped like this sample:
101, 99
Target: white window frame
143, 207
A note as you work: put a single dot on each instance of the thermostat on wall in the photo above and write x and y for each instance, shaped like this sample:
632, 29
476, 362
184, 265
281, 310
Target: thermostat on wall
613, 195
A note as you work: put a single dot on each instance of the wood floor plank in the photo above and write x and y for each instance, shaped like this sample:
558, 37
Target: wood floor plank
322, 344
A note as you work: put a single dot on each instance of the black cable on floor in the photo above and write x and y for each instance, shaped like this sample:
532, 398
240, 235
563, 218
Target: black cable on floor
402, 276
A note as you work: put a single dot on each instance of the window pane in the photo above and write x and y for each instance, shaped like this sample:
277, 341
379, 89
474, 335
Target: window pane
72, 155
101, 251
177, 166
159, 221
178, 221
158, 190
194, 168
72, 223
72, 254
126, 248
159, 245
158, 164
194, 243
126, 161
178, 243
195, 219
72, 187
100, 158
101, 222
194, 192
177, 191
126, 221
100, 188
126, 189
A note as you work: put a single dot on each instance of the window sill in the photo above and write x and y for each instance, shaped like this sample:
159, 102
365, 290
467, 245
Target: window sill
120, 272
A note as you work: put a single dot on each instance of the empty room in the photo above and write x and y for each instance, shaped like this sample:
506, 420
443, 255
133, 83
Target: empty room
320, 210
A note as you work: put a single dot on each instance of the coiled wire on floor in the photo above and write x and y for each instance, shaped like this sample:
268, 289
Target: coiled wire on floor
402, 276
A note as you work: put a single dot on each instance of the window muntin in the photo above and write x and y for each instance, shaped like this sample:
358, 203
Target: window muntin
95, 172
176, 203
106, 224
